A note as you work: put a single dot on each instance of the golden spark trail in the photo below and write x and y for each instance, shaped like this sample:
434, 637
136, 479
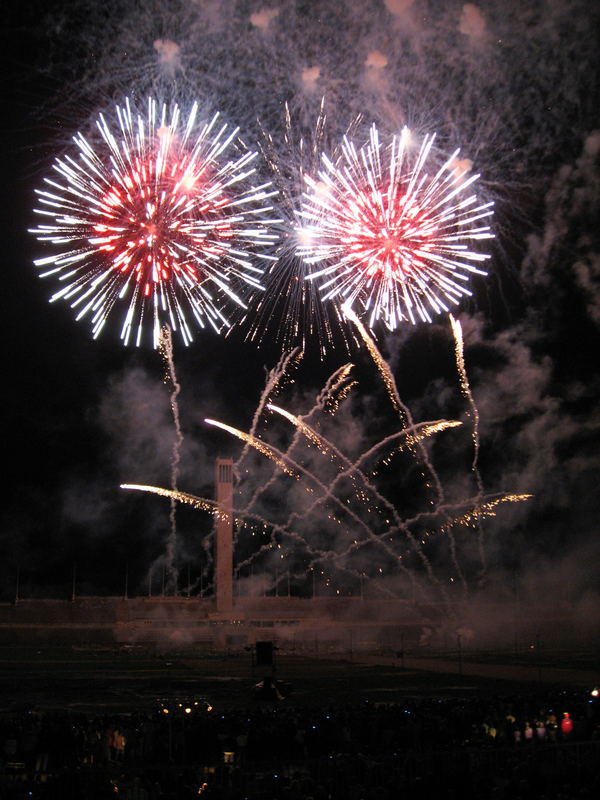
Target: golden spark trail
480, 511
165, 343
506, 498
211, 506
380, 363
276, 375
327, 395
341, 395
199, 503
296, 471
459, 352
392, 390
302, 426
352, 469
336, 389
263, 448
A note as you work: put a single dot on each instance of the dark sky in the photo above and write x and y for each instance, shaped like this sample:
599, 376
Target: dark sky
515, 87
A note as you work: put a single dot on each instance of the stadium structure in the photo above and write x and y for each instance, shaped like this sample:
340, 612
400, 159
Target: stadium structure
232, 617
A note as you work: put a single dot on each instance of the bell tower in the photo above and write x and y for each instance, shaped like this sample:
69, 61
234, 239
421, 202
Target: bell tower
224, 535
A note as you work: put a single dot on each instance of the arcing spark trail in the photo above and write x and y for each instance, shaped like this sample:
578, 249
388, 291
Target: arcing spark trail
322, 505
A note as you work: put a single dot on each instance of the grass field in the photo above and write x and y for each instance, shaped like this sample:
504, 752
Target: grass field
126, 679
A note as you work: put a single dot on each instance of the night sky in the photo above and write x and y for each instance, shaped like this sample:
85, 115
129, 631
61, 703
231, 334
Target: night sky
515, 85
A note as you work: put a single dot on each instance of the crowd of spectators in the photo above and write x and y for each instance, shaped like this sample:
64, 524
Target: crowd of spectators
522, 746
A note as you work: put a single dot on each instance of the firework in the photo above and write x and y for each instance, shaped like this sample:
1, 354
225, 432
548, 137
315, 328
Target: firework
384, 236
341, 509
270, 452
159, 215
459, 354
166, 350
290, 308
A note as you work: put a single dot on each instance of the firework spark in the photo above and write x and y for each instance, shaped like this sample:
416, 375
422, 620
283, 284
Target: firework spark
300, 317
459, 352
158, 214
380, 362
383, 235
270, 452
347, 508
166, 351
389, 381
349, 517
200, 503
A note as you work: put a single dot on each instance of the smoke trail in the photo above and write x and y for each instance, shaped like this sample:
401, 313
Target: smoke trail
412, 435
165, 344
346, 507
459, 352
405, 415
274, 377
296, 470
381, 364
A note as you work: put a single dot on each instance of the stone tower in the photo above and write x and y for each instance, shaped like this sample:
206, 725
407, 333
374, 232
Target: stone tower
224, 535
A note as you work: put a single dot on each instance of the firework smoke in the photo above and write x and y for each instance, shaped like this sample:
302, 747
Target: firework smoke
335, 515
500, 77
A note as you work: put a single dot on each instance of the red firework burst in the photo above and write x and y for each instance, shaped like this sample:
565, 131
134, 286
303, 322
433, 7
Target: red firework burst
158, 218
393, 240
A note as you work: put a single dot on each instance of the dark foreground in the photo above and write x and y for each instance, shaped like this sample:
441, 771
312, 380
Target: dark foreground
140, 725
